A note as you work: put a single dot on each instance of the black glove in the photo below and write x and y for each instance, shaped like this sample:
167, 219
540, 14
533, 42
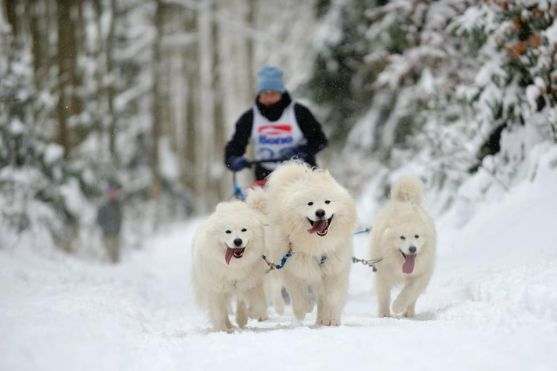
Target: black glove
238, 163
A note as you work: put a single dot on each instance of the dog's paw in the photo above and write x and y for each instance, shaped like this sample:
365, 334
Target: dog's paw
410, 312
299, 313
301, 307
241, 319
261, 317
222, 328
384, 314
258, 312
399, 306
328, 322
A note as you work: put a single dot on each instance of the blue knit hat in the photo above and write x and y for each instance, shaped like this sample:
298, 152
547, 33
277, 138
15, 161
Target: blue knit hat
270, 78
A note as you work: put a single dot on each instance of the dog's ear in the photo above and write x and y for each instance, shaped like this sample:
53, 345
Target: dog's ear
387, 232
325, 174
220, 207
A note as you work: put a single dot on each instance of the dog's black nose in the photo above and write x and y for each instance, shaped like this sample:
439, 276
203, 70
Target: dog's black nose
320, 213
238, 242
412, 249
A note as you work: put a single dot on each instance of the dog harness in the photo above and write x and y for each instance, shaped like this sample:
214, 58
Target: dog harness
283, 260
321, 261
273, 266
369, 262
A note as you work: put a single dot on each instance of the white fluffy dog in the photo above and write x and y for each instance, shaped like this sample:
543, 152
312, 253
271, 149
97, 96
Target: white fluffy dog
404, 236
310, 213
227, 264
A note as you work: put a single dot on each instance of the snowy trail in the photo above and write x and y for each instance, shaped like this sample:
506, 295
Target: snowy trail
492, 304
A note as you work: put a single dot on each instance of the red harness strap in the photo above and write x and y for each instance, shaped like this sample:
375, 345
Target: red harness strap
258, 183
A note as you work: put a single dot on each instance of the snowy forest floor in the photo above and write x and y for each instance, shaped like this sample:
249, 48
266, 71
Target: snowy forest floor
492, 304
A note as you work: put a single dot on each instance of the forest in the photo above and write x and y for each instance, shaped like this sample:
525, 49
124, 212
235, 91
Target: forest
145, 95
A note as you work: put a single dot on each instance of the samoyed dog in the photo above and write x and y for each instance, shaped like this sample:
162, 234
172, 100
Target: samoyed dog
404, 236
227, 265
310, 214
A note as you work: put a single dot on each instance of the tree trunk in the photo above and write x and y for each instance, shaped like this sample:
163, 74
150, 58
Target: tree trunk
220, 134
11, 15
110, 93
190, 73
206, 146
69, 103
157, 104
99, 77
38, 43
64, 65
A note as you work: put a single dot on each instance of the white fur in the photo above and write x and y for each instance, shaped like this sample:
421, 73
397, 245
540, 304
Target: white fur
215, 282
257, 199
400, 224
289, 190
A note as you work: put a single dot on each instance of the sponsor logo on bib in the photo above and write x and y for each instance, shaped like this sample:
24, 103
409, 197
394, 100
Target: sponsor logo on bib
275, 134
274, 130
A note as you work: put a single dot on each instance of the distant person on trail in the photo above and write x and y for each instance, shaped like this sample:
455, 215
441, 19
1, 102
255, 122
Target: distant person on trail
279, 127
109, 218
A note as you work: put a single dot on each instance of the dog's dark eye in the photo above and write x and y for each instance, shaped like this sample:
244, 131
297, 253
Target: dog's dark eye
402, 238
310, 203
228, 231
416, 236
244, 230
327, 202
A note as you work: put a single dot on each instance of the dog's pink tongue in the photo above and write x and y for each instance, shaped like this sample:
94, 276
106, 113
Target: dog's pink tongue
228, 254
408, 265
318, 226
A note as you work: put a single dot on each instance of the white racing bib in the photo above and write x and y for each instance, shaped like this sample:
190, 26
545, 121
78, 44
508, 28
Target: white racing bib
272, 139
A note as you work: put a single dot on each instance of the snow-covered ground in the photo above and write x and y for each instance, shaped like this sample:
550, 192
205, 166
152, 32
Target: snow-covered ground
491, 305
